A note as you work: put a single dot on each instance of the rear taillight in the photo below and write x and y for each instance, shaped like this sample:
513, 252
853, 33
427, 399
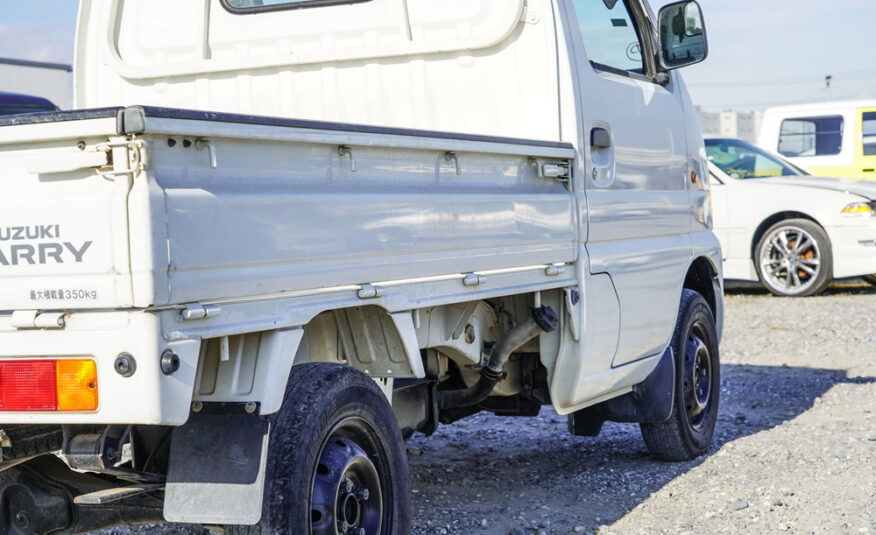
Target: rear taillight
48, 385
28, 385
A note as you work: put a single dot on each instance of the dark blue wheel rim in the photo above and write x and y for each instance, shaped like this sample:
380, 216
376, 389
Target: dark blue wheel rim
697, 376
346, 496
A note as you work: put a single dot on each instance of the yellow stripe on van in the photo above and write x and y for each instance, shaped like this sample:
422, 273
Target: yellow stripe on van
865, 166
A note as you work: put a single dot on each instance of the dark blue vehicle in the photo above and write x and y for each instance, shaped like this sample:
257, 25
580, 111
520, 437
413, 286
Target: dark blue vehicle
14, 103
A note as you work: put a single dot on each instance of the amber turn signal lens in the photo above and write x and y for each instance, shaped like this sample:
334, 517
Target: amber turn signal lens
77, 385
857, 208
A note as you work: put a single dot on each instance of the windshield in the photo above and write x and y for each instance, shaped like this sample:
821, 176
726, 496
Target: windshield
743, 160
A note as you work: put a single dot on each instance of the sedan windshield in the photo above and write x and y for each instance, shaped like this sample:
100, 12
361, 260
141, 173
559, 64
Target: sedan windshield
743, 160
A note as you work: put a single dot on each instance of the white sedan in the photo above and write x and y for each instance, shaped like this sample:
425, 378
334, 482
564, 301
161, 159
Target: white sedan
792, 231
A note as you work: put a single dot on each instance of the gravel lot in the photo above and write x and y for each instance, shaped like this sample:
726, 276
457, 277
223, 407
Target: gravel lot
793, 453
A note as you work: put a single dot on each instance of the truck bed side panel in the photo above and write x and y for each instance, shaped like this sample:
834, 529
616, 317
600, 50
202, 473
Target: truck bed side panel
278, 217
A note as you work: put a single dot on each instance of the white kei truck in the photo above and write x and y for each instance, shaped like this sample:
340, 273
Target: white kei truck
387, 215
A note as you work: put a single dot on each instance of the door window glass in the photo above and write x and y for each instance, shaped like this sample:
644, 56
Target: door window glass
869, 124
246, 6
811, 136
610, 36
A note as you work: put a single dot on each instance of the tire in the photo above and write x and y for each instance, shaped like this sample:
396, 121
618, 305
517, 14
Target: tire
688, 431
870, 278
335, 454
31, 441
794, 258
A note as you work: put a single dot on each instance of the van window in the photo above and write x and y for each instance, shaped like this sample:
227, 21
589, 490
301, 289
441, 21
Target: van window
250, 6
610, 35
811, 136
869, 124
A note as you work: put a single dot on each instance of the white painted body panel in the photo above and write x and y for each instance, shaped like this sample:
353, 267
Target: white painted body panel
44, 231
403, 214
147, 397
742, 205
468, 66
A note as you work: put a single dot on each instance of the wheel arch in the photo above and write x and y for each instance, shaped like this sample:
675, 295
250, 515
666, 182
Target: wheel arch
772, 220
254, 366
700, 277
703, 277
368, 338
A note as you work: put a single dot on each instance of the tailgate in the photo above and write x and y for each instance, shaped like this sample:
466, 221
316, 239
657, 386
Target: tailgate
63, 212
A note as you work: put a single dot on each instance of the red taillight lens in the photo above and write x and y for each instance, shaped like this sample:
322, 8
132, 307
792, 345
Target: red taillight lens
28, 385
48, 385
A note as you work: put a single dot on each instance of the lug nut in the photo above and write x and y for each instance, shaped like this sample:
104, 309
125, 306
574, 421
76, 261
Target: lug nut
363, 494
358, 531
347, 485
343, 526
22, 519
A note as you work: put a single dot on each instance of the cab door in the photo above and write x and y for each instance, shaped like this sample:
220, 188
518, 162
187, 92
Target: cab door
865, 144
635, 169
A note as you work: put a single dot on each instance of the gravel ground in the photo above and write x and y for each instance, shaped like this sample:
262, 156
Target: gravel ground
793, 452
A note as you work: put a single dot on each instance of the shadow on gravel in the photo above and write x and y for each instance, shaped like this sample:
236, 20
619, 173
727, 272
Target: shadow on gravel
841, 287
500, 469
758, 398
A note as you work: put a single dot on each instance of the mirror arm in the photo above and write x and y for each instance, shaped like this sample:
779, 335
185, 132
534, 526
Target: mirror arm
662, 78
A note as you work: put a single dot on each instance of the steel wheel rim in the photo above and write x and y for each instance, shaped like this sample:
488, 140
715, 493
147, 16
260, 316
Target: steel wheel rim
790, 260
346, 494
697, 378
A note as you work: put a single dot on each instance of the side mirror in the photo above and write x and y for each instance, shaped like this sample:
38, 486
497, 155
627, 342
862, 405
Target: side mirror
682, 35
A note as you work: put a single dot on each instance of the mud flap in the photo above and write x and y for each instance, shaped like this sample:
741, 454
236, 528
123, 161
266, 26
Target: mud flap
650, 401
217, 467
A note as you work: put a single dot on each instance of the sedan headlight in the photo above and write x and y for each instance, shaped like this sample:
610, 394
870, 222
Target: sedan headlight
857, 209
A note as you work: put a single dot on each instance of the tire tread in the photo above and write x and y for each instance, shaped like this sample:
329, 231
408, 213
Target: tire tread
665, 439
308, 390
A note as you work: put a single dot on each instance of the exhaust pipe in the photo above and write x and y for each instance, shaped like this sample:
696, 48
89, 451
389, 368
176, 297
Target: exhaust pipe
543, 319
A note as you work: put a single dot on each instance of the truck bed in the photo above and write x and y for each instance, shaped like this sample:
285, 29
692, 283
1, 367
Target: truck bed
228, 206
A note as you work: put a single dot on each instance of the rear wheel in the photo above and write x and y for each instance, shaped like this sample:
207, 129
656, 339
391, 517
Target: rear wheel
336, 459
688, 431
794, 259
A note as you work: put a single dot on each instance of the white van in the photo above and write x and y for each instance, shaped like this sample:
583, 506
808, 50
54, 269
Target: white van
827, 139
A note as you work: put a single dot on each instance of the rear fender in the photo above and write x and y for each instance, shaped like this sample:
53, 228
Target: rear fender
254, 366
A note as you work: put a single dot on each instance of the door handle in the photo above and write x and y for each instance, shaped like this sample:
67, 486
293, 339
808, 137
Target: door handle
600, 138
